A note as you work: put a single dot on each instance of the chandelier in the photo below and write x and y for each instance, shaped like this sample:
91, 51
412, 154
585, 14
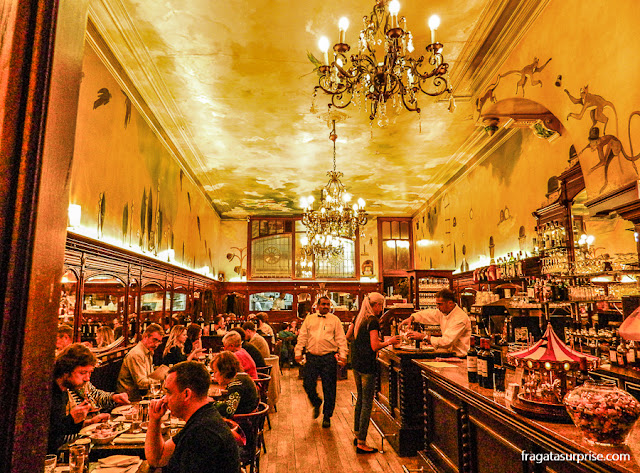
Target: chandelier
381, 70
334, 219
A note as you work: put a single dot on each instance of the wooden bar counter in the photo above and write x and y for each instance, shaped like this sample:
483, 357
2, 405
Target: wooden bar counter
467, 430
398, 409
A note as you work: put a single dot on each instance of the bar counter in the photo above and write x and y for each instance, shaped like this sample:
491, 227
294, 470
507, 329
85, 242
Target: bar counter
467, 430
398, 409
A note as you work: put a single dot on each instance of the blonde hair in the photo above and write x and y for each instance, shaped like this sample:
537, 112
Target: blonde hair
107, 336
176, 331
366, 309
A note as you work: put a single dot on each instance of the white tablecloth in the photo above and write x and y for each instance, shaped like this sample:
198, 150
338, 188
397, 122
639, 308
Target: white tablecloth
274, 385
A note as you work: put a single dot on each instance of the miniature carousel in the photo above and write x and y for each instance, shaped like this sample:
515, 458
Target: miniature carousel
550, 370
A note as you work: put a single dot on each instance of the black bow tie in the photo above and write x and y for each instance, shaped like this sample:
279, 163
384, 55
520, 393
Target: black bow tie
322, 315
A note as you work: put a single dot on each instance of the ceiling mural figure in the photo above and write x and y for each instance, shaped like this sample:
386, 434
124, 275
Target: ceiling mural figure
488, 95
526, 73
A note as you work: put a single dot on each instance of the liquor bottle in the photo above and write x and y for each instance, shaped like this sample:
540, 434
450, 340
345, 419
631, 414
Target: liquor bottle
622, 353
631, 354
613, 352
472, 362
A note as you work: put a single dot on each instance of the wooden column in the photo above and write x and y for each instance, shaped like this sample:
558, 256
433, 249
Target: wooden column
41, 58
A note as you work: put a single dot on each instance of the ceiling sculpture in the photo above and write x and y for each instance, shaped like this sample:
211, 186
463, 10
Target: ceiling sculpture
231, 85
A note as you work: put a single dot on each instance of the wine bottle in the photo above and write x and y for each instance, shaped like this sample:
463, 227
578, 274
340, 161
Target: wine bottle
613, 352
472, 362
488, 379
481, 363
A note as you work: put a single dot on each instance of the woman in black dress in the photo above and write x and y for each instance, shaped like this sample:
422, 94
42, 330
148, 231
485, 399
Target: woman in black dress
174, 350
365, 331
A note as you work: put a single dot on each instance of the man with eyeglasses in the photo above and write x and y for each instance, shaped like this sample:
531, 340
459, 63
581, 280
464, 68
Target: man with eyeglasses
137, 366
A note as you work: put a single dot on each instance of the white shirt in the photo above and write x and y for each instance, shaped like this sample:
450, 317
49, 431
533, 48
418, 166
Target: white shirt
322, 335
455, 327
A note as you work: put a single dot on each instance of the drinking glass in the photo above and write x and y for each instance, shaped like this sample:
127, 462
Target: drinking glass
155, 388
50, 462
136, 419
498, 381
76, 458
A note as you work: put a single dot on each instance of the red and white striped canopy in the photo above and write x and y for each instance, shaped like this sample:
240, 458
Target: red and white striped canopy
550, 348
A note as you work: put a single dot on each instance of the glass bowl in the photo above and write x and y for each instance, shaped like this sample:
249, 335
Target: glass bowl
604, 413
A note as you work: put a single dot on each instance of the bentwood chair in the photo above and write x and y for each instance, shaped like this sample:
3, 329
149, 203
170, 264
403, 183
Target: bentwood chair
262, 383
264, 369
253, 426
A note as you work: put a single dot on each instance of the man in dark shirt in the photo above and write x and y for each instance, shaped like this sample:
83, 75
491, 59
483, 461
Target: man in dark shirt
205, 444
250, 349
71, 372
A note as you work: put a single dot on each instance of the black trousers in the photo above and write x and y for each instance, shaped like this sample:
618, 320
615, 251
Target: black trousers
325, 367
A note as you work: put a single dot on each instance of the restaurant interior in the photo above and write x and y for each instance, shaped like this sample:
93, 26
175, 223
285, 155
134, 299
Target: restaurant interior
165, 162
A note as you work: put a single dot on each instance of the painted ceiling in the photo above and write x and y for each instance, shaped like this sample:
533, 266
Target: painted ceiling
231, 85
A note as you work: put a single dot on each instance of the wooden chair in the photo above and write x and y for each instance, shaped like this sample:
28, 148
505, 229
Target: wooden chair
262, 383
252, 425
264, 369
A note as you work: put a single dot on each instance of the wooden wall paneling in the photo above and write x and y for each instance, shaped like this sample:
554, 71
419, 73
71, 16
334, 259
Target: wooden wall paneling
443, 439
41, 65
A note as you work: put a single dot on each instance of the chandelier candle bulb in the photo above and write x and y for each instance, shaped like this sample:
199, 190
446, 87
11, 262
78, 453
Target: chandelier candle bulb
394, 8
434, 23
343, 25
323, 45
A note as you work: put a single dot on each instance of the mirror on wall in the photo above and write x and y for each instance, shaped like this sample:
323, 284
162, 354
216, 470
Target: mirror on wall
268, 301
102, 305
304, 304
344, 301
68, 296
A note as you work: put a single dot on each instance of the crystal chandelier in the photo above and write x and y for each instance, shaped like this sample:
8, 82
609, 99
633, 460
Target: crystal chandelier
381, 70
334, 219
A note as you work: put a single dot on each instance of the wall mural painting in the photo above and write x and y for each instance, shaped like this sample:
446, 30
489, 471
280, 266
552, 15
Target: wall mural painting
526, 74
117, 153
606, 147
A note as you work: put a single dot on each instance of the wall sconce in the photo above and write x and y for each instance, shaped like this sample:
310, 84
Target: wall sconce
75, 212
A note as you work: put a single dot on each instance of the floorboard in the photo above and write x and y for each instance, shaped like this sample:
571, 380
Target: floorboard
297, 443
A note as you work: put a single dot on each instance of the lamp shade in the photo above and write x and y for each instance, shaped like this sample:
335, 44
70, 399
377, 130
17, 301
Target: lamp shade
630, 328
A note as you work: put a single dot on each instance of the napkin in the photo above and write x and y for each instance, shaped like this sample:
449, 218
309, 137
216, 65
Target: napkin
119, 469
130, 438
118, 460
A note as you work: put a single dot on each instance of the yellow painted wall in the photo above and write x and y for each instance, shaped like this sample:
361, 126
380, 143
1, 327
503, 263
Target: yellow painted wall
121, 161
590, 45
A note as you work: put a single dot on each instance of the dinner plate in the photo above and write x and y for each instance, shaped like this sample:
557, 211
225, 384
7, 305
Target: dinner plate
90, 428
121, 410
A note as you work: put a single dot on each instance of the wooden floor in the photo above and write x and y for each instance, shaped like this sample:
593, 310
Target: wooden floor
297, 443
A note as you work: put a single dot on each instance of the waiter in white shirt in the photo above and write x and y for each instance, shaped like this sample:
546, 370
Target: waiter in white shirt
453, 321
323, 338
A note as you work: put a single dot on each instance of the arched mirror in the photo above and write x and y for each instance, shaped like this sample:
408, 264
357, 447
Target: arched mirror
153, 304
68, 296
132, 311
270, 301
180, 307
102, 305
